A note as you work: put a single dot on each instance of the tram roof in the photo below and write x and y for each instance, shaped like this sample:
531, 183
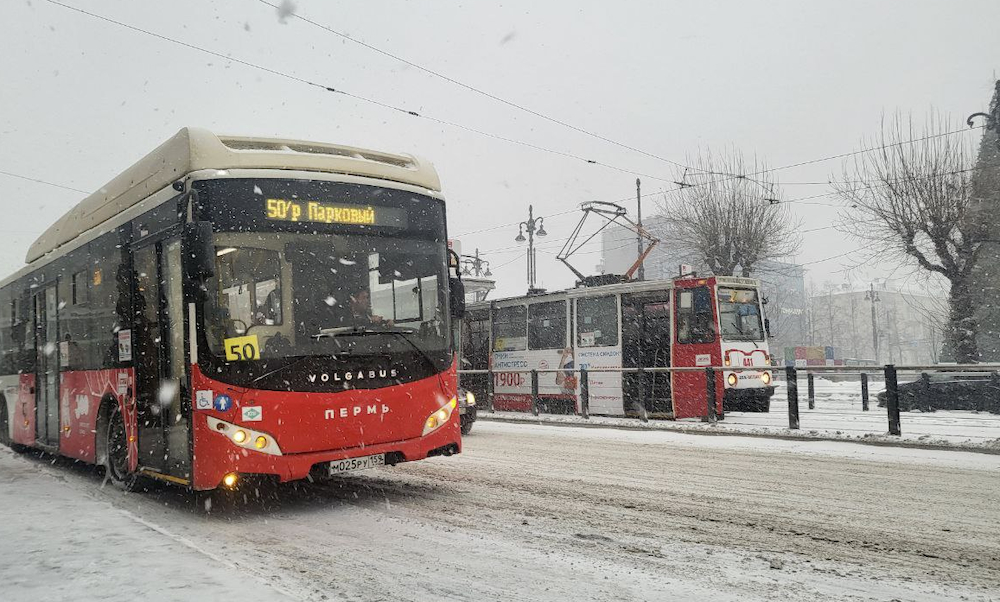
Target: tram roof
194, 149
610, 289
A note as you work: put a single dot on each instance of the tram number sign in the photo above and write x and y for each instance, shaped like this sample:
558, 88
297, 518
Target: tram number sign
240, 349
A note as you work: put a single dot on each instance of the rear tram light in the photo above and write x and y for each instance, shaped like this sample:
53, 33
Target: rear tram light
244, 437
440, 417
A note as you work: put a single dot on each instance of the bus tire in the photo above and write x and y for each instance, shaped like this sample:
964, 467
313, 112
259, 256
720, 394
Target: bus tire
116, 457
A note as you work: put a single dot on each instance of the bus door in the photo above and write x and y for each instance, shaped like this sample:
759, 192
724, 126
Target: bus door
47, 365
646, 344
158, 348
695, 345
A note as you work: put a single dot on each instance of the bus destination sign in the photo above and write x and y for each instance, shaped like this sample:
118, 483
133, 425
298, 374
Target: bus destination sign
324, 213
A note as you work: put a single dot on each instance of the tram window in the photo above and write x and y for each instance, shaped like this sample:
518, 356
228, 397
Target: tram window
510, 328
476, 340
547, 325
695, 321
597, 322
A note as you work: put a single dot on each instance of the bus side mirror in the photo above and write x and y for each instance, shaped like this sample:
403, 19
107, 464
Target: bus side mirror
199, 251
457, 290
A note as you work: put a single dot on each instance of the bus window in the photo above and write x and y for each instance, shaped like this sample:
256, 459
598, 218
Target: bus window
510, 329
597, 322
739, 315
695, 323
249, 290
547, 325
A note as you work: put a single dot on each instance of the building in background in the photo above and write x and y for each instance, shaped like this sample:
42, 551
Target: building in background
909, 325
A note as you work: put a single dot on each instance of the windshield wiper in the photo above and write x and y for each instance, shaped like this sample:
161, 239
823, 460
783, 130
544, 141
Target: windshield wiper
360, 330
401, 331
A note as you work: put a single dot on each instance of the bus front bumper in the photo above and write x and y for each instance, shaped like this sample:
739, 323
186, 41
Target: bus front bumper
212, 467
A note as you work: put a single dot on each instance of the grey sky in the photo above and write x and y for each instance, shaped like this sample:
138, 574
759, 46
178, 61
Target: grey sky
792, 81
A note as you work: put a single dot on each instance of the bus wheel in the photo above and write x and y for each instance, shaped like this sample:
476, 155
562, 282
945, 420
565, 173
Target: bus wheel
116, 460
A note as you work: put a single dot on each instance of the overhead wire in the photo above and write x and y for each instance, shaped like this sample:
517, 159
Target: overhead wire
480, 91
342, 92
40, 181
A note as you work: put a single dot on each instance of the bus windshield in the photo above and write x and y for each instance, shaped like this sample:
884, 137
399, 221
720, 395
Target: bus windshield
307, 288
739, 315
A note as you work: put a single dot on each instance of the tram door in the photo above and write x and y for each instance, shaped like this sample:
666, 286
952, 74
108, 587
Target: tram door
646, 344
47, 362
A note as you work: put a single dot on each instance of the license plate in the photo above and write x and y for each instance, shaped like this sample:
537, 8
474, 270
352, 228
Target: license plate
360, 463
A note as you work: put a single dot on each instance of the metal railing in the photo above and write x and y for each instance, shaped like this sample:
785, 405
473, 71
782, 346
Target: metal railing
890, 372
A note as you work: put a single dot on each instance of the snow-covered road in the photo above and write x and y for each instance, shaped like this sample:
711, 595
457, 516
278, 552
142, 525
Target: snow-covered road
533, 512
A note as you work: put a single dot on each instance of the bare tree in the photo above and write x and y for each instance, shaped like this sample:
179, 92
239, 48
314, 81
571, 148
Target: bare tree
731, 216
911, 200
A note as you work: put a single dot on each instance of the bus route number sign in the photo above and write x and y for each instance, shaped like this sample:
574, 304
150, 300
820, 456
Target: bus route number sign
240, 349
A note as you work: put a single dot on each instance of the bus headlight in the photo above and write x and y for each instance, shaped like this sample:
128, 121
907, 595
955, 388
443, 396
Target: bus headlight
439, 417
765, 377
245, 438
731, 379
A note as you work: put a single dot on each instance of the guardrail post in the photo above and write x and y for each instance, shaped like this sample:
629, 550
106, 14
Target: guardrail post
710, 394
584, 393
925, 397
994, 406
489, 389
792, 384
811, 385
892, 399
864, 391
534, 392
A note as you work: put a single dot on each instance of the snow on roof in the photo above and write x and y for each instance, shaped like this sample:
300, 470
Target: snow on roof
193, 149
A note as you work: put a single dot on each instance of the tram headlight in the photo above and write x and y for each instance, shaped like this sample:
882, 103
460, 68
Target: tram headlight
765, 377
240, 437
439, 417
731, 379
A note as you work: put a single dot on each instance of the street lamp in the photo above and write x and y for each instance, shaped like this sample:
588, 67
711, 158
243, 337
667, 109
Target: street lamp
474, 265
532, 226
872, 296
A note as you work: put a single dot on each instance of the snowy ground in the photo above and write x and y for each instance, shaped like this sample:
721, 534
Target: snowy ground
530, 512
838, 415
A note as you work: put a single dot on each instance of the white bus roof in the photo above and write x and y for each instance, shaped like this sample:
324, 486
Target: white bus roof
194, 149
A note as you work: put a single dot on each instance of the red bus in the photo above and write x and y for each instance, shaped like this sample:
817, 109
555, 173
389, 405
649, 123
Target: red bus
235, 306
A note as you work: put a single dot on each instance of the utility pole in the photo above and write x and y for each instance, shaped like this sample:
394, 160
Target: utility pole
638, 234
532, 225
872, 295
